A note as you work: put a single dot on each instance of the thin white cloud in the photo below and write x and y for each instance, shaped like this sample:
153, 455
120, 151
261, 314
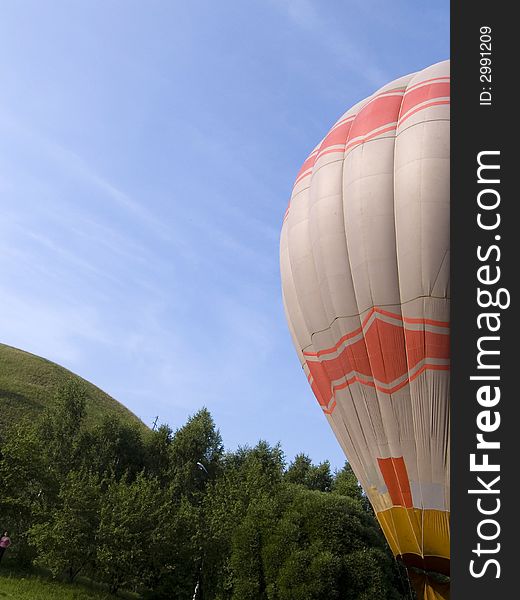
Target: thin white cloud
354, 54
301, 12
73, 165
54, 331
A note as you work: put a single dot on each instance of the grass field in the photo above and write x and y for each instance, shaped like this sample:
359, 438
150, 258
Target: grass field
36, 588
32, 586
28, 383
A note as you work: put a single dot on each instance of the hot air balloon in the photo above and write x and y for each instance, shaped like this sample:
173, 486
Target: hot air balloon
364, 256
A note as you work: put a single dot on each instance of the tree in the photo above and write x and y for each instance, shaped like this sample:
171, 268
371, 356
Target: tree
66, 543
60, 427
25, 485
196, 442
247, 550
347, 484
128, 521
157, 447
112, 447
303, 472
175, 552
248, 476
312, 552
139, 512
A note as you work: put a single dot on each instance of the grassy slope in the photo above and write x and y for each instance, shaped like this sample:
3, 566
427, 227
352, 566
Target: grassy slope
28, 383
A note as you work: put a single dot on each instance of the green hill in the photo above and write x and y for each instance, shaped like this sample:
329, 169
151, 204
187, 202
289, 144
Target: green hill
28, 383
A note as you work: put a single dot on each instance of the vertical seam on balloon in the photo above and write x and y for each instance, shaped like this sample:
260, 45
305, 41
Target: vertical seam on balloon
377, 395
421, 237
393, 451
409, 395
364, 441
358, 385
312, 252
360, 458
440, 269
395, 532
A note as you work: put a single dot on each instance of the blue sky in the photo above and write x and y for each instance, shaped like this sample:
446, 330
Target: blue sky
147, 154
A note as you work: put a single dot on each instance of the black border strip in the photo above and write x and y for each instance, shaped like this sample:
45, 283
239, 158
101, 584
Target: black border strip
478, 128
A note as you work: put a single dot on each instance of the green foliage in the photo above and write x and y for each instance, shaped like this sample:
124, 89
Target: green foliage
66, 542
175, 553
307, 543
129, 516
156, 514
60, 427
157, 453
232, 511
313, 477
112, 447
346, 483
28, 385
194, 456
26, 484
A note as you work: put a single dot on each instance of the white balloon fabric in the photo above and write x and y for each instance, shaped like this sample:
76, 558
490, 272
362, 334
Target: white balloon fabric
365, 277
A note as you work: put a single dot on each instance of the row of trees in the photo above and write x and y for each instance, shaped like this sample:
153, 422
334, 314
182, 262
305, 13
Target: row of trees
158, 512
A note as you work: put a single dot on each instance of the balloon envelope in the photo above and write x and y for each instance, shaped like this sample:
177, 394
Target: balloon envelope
365, 278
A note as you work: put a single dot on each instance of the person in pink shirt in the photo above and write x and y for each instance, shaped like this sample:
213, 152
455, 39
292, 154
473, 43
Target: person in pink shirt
5, 542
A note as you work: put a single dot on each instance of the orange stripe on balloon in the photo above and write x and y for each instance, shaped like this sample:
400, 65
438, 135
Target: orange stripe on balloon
338, 123
422, 343
346, 337
373, 310
385, 353
413, 112
377, 113
388, 352
381, 113
367, 138
329, 411
429, 367
323, 396
336, 137
426, 81
426, 322
418, 95
396, 479
386, 390
307, 166
359, 330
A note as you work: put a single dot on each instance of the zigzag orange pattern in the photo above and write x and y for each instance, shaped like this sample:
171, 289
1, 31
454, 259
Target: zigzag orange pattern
386, 352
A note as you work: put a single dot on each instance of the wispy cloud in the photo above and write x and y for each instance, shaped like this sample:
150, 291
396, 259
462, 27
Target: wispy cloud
73, 165
48, 329
346, 45
143, 177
